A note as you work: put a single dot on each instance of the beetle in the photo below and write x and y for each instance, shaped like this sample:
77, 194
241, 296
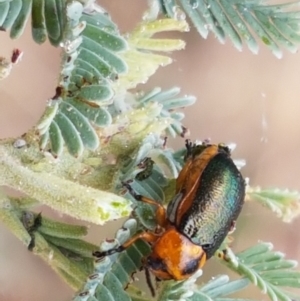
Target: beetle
210, 193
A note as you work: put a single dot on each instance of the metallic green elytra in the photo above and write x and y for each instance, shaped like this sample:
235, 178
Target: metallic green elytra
209, 196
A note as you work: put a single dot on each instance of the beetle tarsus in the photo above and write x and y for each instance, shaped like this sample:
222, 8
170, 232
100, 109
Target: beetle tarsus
98, 254
188, 146
138, 197
102, 254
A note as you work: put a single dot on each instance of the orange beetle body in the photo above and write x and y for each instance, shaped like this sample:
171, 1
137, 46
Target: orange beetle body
209, 196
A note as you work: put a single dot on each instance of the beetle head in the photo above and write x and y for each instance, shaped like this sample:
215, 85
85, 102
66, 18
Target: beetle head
174, 256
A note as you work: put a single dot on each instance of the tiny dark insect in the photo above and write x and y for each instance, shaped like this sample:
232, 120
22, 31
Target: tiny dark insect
147, 165
31, 222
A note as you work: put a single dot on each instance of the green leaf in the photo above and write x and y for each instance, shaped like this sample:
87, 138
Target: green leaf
224, 22
95, 55
56, 138
76, 246
113, 273
105, 54
170, 103
61, 230
87, 67
199, 23
103, 20
218, 288
70, 134
53, 22
166, 158
20, 22
240, 21
142, 63
242, 29
179, 290
61, 16
86, 131
44, 140
15, 7
47, 19
98, 94
96, 61
285, 203
4, 8
49, 114
101, 36
266, 269
38, 21
97, 115
91, 64
11, 217
59, 261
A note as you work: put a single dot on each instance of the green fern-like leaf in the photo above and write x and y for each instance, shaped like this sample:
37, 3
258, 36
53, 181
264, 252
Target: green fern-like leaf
53, 22
266, 269
285, 203
90, 64
141, 60
218, 289
91, 83
274, 25
68, 239
60, 245
178, 290
170, 103
113, 273
48, 19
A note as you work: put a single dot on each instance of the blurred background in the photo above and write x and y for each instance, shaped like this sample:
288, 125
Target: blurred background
252, 100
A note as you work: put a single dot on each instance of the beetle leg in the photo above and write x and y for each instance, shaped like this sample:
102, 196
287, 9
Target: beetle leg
189, 148
160, 211
223, 147
223, 254
165, 142
149, 282
147, 236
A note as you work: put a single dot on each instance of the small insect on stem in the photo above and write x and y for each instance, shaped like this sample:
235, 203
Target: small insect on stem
147, 166
31, 222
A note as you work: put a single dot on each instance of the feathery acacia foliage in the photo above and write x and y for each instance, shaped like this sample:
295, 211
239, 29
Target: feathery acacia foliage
97, 133
240, 21
266, 269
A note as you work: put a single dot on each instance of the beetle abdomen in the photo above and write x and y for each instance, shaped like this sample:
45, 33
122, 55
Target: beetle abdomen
218, 202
